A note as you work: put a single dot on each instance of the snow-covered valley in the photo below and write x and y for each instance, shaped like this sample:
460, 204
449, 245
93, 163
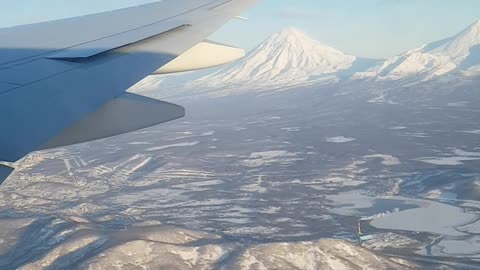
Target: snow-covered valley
280, 160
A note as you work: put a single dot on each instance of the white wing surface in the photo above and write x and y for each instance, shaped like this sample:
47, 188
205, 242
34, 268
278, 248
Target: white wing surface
63, 82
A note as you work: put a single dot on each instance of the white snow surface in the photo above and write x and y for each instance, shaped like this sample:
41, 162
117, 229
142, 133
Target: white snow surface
286, 58
458, 157
459, 53
387, 160
187, 144
340, 139
434, 217
66, 244
323, 254
290, 59
258, 159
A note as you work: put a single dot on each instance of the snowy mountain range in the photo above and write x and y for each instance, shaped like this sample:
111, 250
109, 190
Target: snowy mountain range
291, 58
459, 54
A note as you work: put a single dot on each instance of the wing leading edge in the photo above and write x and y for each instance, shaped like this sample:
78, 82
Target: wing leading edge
48, 91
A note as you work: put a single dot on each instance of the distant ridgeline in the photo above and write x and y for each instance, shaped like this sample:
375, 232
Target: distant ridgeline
290, 58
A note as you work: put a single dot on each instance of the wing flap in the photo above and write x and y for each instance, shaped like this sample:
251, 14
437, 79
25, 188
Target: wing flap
203, 55
127, 113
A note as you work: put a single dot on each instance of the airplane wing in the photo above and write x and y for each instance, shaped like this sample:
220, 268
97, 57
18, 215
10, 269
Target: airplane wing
64, 82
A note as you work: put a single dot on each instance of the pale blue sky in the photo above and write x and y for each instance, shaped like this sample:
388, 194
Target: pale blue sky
369, 28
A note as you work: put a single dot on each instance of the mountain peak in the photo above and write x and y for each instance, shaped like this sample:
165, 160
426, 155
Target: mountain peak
472, 30
476, 25
438, 58
292, 31
459, 46
292, 38
290, 35
288, 57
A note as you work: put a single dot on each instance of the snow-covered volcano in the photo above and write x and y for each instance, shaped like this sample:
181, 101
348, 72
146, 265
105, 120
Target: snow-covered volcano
457, 54
287, 57
291, 58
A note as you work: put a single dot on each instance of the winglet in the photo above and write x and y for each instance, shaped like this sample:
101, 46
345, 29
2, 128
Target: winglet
205, 54
5, 172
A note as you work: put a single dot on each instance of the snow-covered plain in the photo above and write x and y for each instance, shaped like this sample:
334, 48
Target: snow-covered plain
457, 157
476, 131
250, 180
387, 160
258, 159
340, 139
186, 144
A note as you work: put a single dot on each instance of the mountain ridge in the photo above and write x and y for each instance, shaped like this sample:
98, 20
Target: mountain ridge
455, 54
308, 61
290, 58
